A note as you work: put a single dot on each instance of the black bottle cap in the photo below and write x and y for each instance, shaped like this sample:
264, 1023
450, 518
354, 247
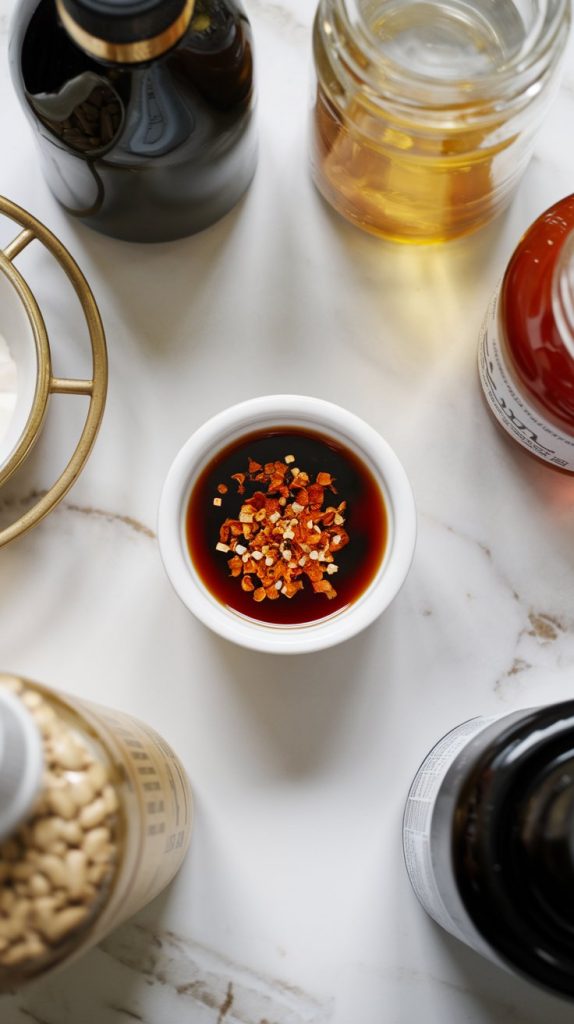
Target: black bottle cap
124, 21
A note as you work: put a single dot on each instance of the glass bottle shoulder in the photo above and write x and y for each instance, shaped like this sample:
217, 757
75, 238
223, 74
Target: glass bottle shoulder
215, 55
45, 56
190, 105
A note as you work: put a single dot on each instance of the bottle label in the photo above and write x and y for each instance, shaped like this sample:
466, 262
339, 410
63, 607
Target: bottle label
417, 823
157, 802
523, 422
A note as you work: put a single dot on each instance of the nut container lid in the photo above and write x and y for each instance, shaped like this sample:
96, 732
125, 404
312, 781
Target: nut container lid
21, 762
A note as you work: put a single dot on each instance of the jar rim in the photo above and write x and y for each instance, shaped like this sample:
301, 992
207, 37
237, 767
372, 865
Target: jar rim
384, 76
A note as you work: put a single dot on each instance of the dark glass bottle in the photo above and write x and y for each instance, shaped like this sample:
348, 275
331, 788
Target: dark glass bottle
142, 109
489, 840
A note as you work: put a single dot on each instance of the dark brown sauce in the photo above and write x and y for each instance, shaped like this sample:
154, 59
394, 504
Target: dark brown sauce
143, 152
365, 522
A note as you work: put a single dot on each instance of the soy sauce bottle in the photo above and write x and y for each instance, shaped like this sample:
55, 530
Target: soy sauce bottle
488, 838
142, 109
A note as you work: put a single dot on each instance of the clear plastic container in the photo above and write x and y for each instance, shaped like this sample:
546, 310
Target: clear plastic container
98, 830
425, 113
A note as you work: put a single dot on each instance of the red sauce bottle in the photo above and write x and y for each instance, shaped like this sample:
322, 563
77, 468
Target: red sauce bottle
526, 351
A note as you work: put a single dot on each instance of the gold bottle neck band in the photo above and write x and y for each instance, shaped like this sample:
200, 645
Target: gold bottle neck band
127, 53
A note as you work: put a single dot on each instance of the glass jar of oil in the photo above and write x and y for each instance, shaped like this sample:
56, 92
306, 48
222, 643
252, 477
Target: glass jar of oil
425, 113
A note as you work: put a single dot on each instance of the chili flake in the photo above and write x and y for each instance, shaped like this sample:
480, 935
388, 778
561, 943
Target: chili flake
286, 536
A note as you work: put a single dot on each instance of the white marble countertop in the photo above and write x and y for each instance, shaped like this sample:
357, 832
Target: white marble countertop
293, 906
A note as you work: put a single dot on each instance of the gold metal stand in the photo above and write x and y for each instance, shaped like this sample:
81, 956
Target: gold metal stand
46, 384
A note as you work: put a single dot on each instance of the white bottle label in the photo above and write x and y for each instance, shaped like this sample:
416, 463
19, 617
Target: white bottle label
417, 824
523, 422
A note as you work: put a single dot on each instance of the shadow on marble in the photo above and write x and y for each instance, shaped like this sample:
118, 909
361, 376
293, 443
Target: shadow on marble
419, 295
549, 489
425, 299
425, 966
501, 997
301, 707
153, 288
55, 572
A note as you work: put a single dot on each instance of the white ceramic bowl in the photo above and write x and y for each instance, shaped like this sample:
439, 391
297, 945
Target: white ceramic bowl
287, 411
17, 331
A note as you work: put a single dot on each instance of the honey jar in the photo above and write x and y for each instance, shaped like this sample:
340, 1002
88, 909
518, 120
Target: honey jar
526, 348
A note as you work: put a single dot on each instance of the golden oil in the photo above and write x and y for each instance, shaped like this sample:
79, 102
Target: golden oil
424, 119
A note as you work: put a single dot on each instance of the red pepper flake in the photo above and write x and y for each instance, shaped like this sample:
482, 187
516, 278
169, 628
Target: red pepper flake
284, 535
240, 477
324, 479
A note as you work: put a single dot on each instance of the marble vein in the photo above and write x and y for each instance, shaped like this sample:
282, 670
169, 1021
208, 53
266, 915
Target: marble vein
125, 1012
543, 626
83, 510
498, 1010
200, 977
33, 1016
518, 667
227, 1003
546, 628
481, 545
542, 632
112, 517
539, 631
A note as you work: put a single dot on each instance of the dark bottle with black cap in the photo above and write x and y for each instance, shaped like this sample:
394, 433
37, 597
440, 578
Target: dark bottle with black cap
488, 838
142, 109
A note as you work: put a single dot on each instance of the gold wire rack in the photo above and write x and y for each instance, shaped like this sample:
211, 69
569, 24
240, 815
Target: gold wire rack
94, 388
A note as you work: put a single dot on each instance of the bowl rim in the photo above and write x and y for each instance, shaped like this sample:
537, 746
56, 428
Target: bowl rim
18, 446
284, 411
